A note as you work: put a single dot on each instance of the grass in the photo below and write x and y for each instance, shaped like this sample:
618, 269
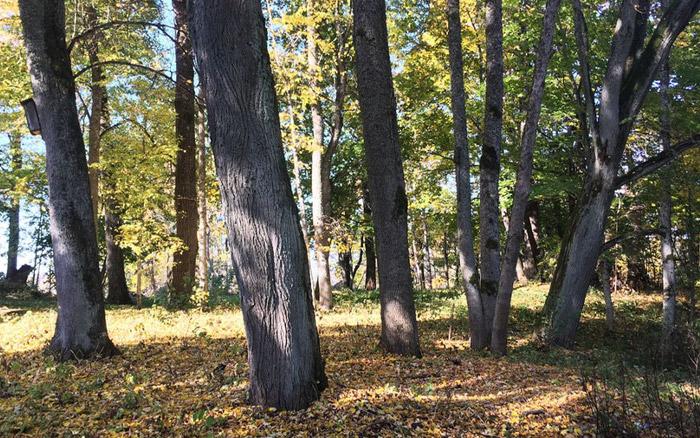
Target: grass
169, 379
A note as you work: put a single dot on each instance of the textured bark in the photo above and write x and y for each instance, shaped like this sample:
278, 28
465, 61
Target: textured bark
14, 210
345, 262
267, 249
630, 70
490, 165
117, 289
185, 260
465, 241
523, 181
385, 176
81, 330
665, 223
98, 93
371, 259
203, 228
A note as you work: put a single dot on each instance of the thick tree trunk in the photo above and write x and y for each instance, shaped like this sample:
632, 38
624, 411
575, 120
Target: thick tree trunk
465, 241
185, 259
523, 181
490, 165
267, 249
371, 260
385, 175
665, 223
117, 289
81, 330
98, 91
203, 228
630, 71
14, 210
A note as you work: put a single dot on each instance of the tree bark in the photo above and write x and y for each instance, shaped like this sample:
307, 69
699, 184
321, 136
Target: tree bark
465, 241
630, 70
98, 90
185, 259
371, 260
117, 289
13, 227
490, 165
665, 222
532, 227
605, 283
81, 330
385, 176
203, 228
268, 253
523, 181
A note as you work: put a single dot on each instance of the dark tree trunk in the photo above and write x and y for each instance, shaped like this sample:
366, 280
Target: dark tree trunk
81, 330
427, 255
446, 259
385, 175
345, 261
532, 228
370, 264
631, 68
465, 242
185, 260
267, 248
13, 211
490, 165
521, 192
117, 290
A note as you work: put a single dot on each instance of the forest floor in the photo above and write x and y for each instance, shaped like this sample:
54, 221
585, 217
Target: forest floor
184, 373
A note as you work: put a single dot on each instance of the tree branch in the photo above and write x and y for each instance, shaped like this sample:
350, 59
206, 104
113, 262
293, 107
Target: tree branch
160, 26
657, 161
619, 239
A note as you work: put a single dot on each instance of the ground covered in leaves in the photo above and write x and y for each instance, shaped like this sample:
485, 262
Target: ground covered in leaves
184, 373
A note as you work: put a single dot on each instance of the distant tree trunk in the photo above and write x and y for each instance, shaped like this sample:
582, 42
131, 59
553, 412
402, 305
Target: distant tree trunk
267, 248
446, 259
605, 283
81, 330
490, 164
693, 250
117, 289
427, 255
665, 222
466, 257
203, 228
419, 266
345, 262
371, 263
13, 212
519, 269
521, 193
631, 67
532, 228
98, 92
385, 176
185, 259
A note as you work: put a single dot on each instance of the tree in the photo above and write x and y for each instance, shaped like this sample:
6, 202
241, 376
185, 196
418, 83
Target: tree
81, 330
185, 260
14, 210
368, 240
385, 177
267, 248
631, 67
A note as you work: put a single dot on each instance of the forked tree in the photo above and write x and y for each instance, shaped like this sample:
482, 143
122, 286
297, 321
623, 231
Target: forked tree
285, 366
81, 330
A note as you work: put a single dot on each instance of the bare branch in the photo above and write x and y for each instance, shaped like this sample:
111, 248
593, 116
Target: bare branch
118, 23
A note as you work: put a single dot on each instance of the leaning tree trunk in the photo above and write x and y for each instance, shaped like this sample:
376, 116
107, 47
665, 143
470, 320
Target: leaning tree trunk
385, 176
465, 241
186, 217
521, 192
13, 211
632, 66
81, 330
667, 261
490, 165
268, 252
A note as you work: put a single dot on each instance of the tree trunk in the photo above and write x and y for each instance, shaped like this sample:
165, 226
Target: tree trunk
446, 259
185, 259
519, 268
81, 330
345, 262
427, 255
385, 176
665, 222
13, 212
419, 266
490, 164
203, 228
267, 249
371, 263
523, 181
532, 228
117, 289
693, 250
605, 282
465, 241
98, 90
